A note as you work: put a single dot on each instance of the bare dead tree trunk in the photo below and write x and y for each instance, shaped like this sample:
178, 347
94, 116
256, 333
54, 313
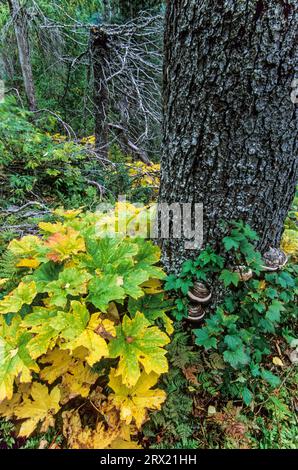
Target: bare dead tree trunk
20, 22
126, 63
230, 127
100, 60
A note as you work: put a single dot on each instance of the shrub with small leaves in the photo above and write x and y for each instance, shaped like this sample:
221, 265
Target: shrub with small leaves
253, 312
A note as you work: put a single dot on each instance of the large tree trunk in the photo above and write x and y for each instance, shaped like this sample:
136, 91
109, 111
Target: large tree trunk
230, 126
20, 22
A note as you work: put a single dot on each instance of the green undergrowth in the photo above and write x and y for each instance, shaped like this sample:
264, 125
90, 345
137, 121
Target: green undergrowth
233, 378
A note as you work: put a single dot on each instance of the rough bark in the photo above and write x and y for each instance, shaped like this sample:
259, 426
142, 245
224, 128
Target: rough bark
20, 23
100, 58
230, 126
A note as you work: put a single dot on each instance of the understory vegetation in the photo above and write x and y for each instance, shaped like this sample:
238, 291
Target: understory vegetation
90, 324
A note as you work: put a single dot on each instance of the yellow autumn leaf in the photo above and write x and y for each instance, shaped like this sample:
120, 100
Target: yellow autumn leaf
25, 293
122, 444
102, 326
48, 227
277, 362
63, 245
7, 407
77, 381
88, 140
289, 243
153, 286
26, 246
58, 363
262, 285
93, 339
68, 214
138, 343
86, 438
15, 360
95, 345
134, 402
28, 263
41, 406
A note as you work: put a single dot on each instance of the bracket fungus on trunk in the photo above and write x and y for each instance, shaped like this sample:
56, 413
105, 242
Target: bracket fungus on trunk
274, 259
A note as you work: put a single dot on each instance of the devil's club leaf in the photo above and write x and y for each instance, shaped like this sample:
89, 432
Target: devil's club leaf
45, 335
71, 282
132, 283
74, 323
15, 360
153, 307
138, 343
24, 294
105, 289
90, 338
26, 247
57, 364
41, 407
134, 402
86, 438
63, 245
77, 380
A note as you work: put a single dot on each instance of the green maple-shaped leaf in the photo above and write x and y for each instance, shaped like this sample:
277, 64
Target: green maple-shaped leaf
138, 342
153, 307
72, 324
230, 243
39, 322
46, 273
229, 278
237, 357
15, 360
24, 294
105, 289
233, 342
273, 313
71, 282
133, 281
148, 255
204, 339
107, 252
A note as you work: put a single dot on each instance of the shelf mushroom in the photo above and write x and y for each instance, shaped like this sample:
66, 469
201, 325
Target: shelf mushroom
245, 273
274, 259
196, 313
199, 293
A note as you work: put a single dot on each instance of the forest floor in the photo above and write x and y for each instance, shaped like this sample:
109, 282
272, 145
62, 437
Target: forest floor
199, 412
